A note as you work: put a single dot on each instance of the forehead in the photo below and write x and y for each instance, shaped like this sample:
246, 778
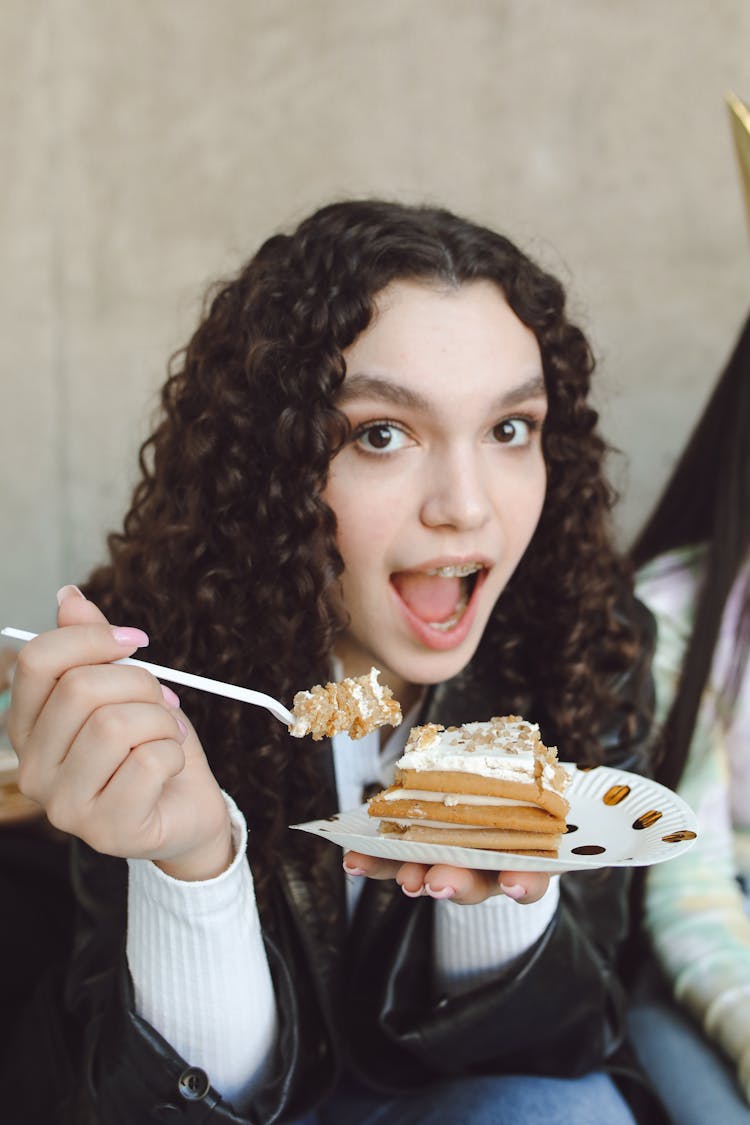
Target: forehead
428, 336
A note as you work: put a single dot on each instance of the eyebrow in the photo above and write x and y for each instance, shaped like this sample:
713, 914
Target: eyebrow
376, 386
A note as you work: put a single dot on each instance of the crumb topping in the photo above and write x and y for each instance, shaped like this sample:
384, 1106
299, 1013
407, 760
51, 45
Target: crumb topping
355, 706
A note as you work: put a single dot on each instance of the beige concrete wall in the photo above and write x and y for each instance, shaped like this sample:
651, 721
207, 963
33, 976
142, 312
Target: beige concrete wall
146, 148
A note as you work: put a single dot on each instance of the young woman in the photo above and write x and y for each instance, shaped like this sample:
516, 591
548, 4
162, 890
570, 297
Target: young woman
382, 401
694, 555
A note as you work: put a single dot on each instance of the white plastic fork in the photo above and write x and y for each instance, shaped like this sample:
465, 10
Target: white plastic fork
202, 683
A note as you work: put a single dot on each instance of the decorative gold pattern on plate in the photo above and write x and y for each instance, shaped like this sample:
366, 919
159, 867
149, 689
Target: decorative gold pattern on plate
679, 837
615, 794
647, 819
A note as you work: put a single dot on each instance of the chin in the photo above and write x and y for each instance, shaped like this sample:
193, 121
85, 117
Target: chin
434, 667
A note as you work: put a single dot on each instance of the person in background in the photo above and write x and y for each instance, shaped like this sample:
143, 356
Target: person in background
377, 449
693, 556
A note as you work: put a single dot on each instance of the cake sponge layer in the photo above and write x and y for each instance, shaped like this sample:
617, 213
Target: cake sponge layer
492, 839
518, 817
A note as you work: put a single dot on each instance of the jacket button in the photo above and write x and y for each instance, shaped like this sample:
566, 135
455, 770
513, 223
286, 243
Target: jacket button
193, 1084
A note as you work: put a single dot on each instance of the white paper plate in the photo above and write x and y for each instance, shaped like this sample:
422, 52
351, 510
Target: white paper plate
606, 828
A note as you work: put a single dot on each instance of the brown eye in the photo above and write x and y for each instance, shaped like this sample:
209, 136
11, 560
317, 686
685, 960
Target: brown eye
512, 431
381, 437
505, 431
378, 437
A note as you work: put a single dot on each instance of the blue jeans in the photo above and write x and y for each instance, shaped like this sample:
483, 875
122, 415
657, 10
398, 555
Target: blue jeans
505, 1100
694, 1081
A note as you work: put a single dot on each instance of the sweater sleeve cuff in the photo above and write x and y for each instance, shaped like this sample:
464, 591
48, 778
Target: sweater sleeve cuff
201, 897
473, 944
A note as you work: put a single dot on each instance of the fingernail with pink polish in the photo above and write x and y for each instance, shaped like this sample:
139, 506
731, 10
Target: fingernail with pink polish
513, 890
182, 728
170, 698
445, 892
130, 638
413, 894
354, 870
67, 592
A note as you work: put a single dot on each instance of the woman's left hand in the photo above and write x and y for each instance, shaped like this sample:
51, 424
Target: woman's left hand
459, 884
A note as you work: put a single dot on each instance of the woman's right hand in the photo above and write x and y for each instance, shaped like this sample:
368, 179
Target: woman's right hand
108, 754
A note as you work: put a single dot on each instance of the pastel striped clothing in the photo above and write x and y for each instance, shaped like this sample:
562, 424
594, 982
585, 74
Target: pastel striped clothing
696, 912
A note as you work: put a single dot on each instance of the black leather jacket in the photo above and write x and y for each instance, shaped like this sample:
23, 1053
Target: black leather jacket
365, 1001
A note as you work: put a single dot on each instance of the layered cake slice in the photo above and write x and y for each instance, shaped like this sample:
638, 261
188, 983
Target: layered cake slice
491, 785
355, 706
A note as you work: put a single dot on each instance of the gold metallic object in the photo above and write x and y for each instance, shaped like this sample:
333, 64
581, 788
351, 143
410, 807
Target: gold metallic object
740, 118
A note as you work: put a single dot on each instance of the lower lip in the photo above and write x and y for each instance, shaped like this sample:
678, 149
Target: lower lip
442, 640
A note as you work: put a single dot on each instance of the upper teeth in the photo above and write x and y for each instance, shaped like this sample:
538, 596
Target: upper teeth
456, 571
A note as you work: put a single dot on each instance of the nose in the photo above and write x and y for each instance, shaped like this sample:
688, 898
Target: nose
456, 494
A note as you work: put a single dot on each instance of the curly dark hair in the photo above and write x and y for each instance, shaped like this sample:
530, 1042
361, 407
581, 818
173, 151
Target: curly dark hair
228, 553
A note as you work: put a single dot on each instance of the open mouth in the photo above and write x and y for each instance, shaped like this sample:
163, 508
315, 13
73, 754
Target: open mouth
439, 597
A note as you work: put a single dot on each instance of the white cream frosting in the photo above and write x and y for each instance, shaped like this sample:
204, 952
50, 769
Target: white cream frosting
375, 686
413, 822
451, 799
364, 705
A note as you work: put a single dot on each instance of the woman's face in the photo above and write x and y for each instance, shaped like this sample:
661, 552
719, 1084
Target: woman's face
441, 487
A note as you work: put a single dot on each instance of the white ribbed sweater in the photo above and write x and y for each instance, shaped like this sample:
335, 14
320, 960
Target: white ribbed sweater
196, 955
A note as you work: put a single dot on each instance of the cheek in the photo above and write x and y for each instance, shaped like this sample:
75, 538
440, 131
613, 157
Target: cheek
527, 504
364, 522
357, 546
540, 491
